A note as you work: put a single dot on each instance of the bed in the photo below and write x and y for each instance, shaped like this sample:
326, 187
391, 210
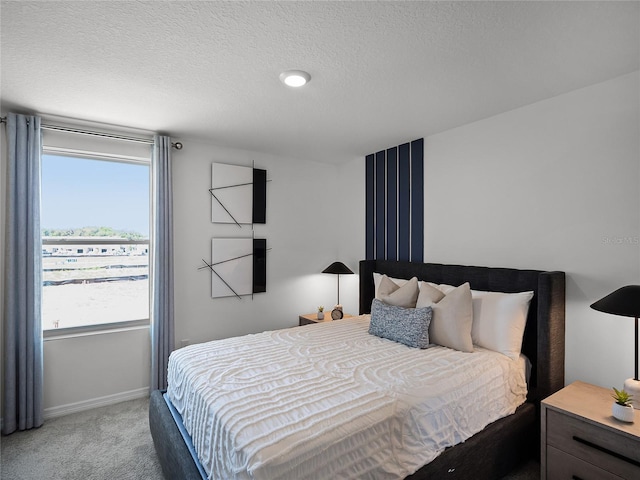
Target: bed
492, 452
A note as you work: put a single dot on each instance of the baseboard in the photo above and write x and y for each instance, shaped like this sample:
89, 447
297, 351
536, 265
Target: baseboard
76, 407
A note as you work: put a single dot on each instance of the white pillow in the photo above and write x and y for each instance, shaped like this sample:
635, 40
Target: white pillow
452, 316
391, 293
499, 320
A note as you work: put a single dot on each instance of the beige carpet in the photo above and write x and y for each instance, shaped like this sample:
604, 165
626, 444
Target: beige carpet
108, 443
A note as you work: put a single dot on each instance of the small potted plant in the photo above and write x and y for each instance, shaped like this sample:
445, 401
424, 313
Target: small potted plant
321, 312
622, 408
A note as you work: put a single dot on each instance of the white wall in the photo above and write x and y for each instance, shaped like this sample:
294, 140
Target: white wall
554, 185
351, 225
87, 371
302, 203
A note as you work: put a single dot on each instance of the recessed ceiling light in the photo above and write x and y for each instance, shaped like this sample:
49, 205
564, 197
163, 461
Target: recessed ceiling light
295, 78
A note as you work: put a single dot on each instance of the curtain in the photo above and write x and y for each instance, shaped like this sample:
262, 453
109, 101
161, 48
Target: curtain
162, 336
22, 356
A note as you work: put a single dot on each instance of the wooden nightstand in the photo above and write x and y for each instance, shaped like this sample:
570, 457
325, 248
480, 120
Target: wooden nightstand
310, 318
581, 439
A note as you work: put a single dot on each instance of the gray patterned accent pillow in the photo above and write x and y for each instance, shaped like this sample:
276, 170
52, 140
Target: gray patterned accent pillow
409, 326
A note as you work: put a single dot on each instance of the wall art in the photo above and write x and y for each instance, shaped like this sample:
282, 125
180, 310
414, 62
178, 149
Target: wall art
238, 266
238, 194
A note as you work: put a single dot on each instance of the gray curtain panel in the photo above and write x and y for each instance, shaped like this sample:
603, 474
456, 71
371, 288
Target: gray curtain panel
162, 336
23, 403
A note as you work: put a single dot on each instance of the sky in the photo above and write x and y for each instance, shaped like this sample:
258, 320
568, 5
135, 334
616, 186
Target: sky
78, 192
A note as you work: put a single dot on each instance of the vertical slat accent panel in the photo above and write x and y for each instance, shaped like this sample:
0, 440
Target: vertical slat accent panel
394, 209
404, 190
392, 203
370, 207
380, 205
417, 200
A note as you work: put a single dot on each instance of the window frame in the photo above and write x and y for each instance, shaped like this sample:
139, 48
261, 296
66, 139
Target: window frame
110, 327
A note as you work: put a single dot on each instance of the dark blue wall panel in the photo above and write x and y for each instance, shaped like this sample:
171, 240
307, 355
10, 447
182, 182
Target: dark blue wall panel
380, 206
404, 202
394, 207
370, 207
417, 200
392, 203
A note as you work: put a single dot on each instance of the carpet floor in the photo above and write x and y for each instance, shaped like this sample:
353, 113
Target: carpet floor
107, 443
110, 442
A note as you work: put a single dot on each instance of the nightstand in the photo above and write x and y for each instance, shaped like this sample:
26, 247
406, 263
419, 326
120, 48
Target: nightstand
310, 318
581, 439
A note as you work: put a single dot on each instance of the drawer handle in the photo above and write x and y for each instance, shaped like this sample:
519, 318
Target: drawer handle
575, 477
607, 451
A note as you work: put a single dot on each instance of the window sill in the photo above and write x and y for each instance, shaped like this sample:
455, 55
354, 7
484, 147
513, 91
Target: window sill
64, 333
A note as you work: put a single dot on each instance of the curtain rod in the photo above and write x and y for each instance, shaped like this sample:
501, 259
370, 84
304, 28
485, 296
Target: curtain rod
148, 141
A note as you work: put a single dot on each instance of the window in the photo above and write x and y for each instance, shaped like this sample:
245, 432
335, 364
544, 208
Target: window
95, 240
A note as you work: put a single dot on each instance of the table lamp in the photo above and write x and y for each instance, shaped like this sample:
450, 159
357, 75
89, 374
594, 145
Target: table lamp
625, 302
338, 268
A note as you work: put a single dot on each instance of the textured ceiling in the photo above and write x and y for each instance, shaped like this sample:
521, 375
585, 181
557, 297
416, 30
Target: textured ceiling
382, 72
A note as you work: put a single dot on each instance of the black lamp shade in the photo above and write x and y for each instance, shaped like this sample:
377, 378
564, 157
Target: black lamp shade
338, 268
625, 302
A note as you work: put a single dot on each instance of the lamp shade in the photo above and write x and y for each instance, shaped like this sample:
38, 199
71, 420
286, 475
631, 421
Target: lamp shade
625, 302
338, 268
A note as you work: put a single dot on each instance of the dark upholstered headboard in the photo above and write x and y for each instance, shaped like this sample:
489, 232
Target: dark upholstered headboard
543, 340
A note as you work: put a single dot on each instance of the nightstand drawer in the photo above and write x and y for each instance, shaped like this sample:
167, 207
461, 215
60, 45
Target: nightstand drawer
593, 444
562, 466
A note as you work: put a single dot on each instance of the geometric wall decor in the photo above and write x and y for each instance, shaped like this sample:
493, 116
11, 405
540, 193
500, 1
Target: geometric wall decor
238, 266
394, 205
238, 194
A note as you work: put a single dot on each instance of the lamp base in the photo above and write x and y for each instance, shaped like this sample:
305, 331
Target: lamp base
632, 387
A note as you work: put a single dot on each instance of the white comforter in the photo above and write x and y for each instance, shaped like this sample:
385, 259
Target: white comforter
330, 401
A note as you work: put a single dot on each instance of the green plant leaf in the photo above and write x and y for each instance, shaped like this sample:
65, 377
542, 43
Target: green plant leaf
621, 397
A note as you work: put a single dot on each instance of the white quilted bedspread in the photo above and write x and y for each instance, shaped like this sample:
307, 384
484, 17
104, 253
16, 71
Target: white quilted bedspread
330, 401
